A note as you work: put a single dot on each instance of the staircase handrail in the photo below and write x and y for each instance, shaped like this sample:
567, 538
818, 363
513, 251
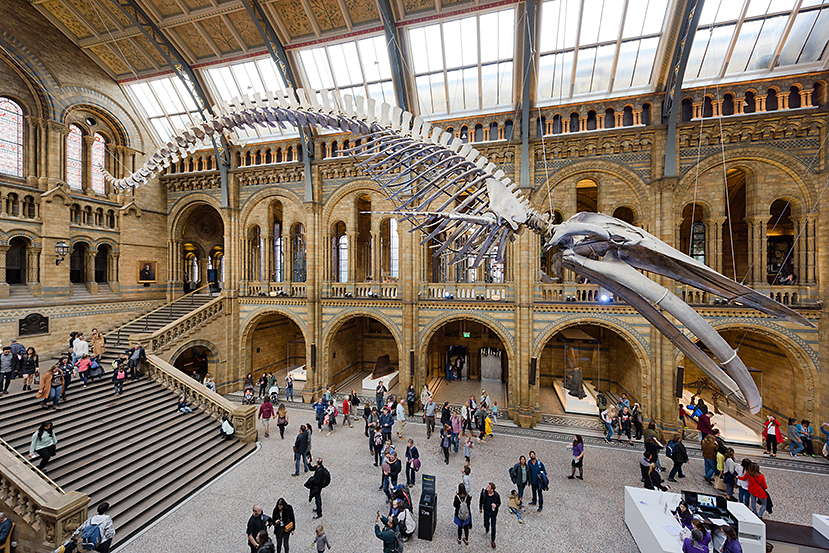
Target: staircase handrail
181, 326
23, 458
156, 310
199, 396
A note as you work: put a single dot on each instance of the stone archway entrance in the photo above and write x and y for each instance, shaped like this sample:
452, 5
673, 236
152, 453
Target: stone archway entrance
196, 362
465, 357
606, 362
199, 248
276, 345
353, 351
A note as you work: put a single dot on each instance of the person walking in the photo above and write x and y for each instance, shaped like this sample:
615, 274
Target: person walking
320, 540
29, 366
536, 468
709, 454
795, 444
379, 394
412, 462
608, 416
578, 459
106, 528
520, 475
316, 484
330, 416
636, 417
515, 505
284, 524
119, 375
624, 422
488, 504
446, 441
463, 513
425, 396
289, 387
282, 419
742, 481
257, 522
806, 433
466, 415
266, 413
347, 413
371, 418
98, 343
679, 455
80, 347
390, 477
729, 474
9, 365
652, 479
411, 399
376, 444
704, 425
466, 479
772, 435
757, 490
445, 413
455, 423
300, 450
401, 419
429, 416
386, 423
467, 449
44, 442
265, 543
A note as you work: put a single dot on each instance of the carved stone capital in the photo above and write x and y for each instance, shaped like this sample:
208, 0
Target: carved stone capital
666, 184
57, 127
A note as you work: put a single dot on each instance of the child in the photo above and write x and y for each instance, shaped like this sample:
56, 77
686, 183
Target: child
487, 427
495, 412
467, 449
515, 505
321, 540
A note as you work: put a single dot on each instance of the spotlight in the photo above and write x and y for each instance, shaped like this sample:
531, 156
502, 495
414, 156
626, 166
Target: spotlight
604, 298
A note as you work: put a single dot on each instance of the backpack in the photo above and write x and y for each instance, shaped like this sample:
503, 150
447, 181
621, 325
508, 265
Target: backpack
463, 511
513, 474
398, 542
543, 480
91, 537
669, 449
326, 477
378, 439
335, 411
121, 374
446, 442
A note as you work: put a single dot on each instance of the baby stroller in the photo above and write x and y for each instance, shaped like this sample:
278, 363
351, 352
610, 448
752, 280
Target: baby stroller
402, 494
249, 398
274, 393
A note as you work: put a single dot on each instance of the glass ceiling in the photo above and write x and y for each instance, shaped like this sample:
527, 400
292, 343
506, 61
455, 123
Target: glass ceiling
166, 104
464, 64
597, 46
738, 39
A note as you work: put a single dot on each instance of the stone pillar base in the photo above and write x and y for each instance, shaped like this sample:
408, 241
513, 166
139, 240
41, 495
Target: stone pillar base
36, 289
4, 291
92, 287
115, 286
524, 420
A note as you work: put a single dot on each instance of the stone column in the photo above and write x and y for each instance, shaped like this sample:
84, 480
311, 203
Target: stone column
56, 160
806, 97
637, 117
29, 152
4, 287
760, 102
89, 270
714, 245
86, 179
42, 139
810, 252
267, 257
376, 261
783, 100
112, 273
582, 123
739, 105
716, 105
620, 118
352, 256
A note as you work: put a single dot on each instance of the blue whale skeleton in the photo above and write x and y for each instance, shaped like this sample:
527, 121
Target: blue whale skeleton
466, 205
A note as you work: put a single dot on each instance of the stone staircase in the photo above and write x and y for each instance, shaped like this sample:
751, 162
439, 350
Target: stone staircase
135, 451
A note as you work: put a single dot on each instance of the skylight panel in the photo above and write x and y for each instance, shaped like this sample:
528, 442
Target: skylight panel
166, 104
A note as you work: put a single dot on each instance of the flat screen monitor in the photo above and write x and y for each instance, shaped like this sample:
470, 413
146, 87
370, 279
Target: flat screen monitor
709, 501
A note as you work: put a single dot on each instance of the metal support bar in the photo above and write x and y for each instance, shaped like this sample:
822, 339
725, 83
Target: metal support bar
185, 73
280, 59
529, 31
395, 54
671, 107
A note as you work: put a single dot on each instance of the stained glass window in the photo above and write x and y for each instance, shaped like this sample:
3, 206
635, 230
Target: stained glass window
74, 157
98, 159
11, 138
698, 241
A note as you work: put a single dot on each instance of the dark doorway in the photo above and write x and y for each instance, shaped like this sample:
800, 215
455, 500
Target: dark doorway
77, 263
101, 264
16, 261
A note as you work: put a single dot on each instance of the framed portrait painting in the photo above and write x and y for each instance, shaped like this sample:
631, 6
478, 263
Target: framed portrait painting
147, 271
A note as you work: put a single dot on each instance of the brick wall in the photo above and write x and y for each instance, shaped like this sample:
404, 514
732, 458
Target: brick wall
270, 347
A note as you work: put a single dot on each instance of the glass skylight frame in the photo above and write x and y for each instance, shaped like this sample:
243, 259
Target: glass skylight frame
470, 73
734, 38
165, 104
619, 55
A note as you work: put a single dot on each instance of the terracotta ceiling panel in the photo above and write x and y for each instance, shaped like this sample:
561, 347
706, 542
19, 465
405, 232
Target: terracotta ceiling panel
93, 17
292, 14
106, 56
150, 50
453, 2
412, 6
328, 14
136, 60
362, 11
246, 29
191, 37
69, 21
196, 4
166, 8
116, 13
222, 36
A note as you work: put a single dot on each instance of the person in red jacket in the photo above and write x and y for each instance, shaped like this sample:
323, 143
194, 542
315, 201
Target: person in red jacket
757, 489
772, 435
266, 414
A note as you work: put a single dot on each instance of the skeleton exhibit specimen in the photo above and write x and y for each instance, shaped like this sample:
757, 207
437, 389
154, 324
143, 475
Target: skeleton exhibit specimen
458, 198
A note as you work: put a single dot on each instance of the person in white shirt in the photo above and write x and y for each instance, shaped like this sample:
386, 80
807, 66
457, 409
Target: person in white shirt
79, 348
401, 418
105, 526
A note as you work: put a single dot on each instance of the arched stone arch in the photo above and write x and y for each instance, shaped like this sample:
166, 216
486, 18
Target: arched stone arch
330, 329
107, 242
706, 208
83, 239
594, 166
485, 319
253, 319
269, 194
356, 185
34, 240
209, 346
184, 206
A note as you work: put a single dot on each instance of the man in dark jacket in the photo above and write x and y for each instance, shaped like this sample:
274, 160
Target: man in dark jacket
386, 423
536, 467
488, 504
135, 360
316, 483
679, 456
257, 522
390, 479
386, 535
300, 449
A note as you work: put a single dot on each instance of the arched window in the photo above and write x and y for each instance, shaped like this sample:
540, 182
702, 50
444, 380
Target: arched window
110, 219
627, 117
707, 107
479, 133
609, 118
493, 131
11, 138
298, 253
591, 120
698, 241
771, 100
574, 122
794, 97
98, 160
342, 258
728, 104
389, 249
74, 157
646, 114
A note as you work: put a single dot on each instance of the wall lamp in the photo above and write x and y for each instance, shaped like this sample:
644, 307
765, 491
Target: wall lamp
61, 249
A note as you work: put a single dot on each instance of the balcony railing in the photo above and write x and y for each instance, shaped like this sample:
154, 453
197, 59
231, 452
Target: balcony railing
474, 291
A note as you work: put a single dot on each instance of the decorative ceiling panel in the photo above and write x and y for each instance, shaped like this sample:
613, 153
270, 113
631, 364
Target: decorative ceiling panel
362, 11
196, 4
418, 5
328, 14
116, 14
111, 61
293, 15
166, 8
222, 36
445, 3
150, 50
136, 60
69, 21
93, 17
246, 29
193, 39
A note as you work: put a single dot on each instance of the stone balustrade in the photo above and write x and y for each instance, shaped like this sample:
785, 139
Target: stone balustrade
243, 417
43, 514
164, 337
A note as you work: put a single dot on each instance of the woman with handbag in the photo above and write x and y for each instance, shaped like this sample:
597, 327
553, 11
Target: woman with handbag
29, 366
284, 524
43, 444
729, 474
282, 419
757, 490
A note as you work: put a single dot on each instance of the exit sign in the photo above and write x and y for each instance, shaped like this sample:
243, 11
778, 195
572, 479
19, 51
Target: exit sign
467, 335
